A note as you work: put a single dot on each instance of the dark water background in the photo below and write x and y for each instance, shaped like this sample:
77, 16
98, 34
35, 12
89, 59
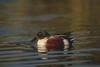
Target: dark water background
20, 20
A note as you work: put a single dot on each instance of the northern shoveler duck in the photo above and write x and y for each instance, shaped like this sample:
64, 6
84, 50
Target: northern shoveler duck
58, 42
46, 42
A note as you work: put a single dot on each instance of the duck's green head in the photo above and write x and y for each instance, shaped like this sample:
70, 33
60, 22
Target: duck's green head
42, 34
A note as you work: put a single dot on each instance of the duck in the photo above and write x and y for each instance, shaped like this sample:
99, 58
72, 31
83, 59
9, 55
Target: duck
57, 42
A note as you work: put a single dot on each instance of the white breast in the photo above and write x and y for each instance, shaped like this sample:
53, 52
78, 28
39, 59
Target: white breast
41, 43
